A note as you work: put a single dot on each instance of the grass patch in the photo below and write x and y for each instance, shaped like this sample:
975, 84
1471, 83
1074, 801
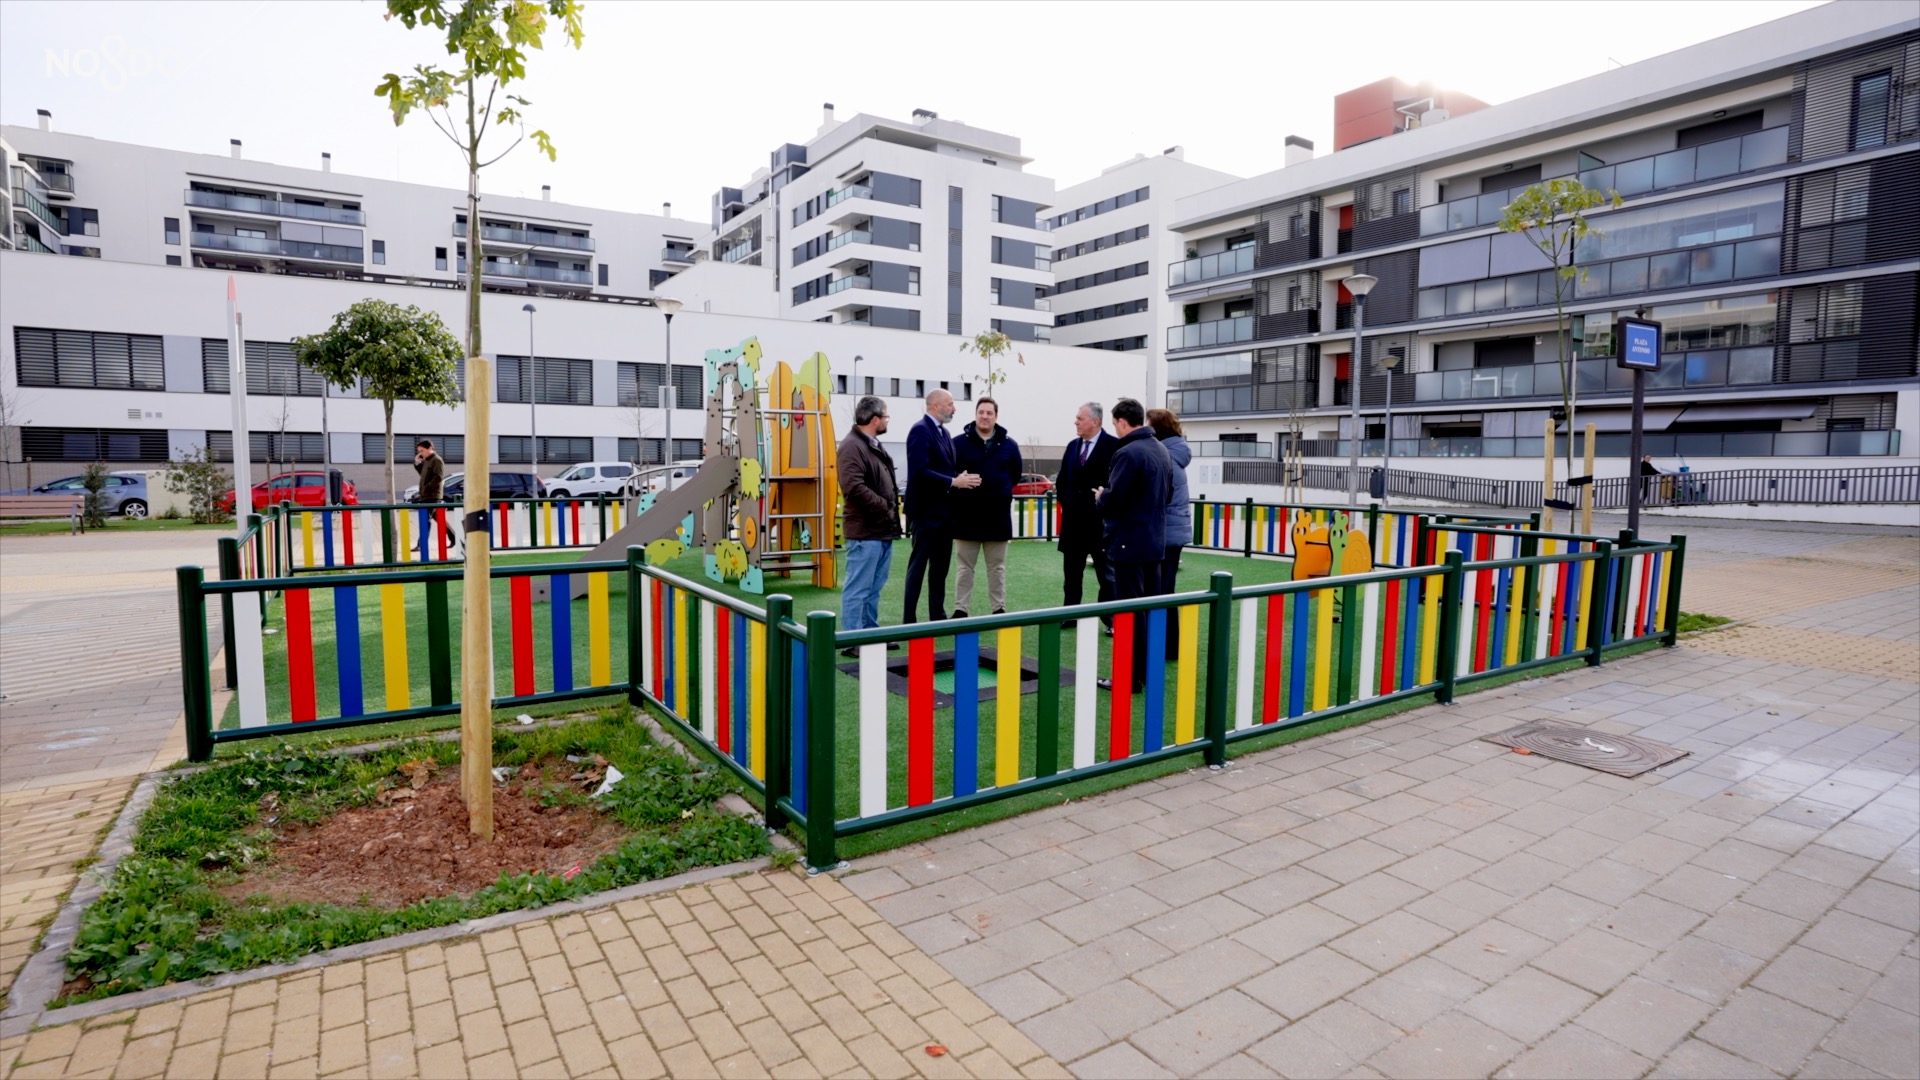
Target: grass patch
1695, 620
167, 914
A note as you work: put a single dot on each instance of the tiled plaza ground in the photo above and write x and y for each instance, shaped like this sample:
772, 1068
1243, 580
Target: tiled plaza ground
1397, 900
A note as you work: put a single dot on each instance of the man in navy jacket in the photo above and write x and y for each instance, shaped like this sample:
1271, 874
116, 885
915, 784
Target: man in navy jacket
1134, 507
1083, 468
932, 475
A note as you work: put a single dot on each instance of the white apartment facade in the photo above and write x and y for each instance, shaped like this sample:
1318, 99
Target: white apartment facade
1111, 247
930, 225
1771, 221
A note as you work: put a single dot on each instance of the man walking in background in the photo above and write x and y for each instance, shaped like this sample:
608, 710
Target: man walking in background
872, 519
1134, 508
1083, 469
433, 470
932, 475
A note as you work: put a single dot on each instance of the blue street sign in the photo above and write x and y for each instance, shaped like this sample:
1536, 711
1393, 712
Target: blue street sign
1639, 344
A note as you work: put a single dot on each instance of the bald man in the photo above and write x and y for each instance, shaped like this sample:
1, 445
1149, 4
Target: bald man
932, 476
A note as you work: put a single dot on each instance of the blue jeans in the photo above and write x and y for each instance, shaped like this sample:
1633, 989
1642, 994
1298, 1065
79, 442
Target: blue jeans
867, 564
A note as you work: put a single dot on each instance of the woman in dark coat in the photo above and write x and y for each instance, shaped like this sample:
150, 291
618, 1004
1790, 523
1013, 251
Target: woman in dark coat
983, 516
1166, 428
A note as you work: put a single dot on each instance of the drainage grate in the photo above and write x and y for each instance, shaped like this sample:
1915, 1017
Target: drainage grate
1622, 755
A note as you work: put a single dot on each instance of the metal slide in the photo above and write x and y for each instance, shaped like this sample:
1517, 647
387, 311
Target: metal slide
670, 508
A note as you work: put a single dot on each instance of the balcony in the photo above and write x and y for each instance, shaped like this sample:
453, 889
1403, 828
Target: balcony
851, 281
739, 253
1217, 332
58, 182
28, 243
674, 254
853, 191
253, 204
1208, 267
1232, 449
526, 272
26, 200
284, 249
497, 234
1882, 443
1656, 172
851, 236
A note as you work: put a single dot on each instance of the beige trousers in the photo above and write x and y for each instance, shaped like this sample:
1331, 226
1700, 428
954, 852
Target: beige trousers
969, 552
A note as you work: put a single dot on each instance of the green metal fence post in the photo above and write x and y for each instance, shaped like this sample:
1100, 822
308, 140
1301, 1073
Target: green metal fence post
229, 571
1246, 530
1200, 520
1452, 588
1527, 587
1419, 540
636, 626
386, 535
1218, 657
1597, 622
820, 741
1619, 620
1373, 527
1673, 591
196, 692
600, 510
779, 711
1347, 687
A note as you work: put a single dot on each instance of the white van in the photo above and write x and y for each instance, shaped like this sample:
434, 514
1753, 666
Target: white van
591, 478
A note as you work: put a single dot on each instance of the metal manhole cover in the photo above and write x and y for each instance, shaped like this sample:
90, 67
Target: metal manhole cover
1622, 755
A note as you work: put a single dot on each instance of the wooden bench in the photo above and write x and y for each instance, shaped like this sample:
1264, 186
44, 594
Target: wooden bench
46, 506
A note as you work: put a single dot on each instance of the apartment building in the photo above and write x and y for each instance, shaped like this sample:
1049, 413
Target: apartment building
929, 225
1111, 244
1770, 219
121, 354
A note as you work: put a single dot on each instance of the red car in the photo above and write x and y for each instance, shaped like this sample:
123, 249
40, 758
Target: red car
299, 488
1032, 484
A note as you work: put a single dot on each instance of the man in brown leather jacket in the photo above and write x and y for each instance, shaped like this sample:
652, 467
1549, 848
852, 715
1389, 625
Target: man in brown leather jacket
872, 514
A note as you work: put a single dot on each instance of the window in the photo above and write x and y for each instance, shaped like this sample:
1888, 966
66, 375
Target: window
78, 358
1835, 312
1105, 277
1127, 344
1297, 226
839, 384
893, 387
172, 230
278, 447
655, 277
603, 275
867, 386
913, 281
516, 450
688, 450
373, 447
1872, 98
92, 444
643, 451
689, 387
439, 258
561, 381
380, 252
254, 234
1402, 202
173, 260
557, 449
640, 383
966, 391
271, 369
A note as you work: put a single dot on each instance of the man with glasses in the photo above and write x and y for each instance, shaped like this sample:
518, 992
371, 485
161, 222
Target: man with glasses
872, 520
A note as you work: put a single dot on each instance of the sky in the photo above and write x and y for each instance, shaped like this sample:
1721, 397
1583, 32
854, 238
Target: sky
666, 102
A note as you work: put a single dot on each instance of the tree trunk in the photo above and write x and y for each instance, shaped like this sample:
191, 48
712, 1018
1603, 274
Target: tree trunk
388, 403
476, 656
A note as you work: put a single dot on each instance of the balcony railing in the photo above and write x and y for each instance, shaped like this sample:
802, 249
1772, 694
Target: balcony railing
252, 204
28, 243
58, 181
287, 249
24, 198
1618, 444
854, 191
676, 254
531, 237
1217, 332
1208, 267
851, 236
736, 254
1232, 449
536, 273
852, 281
1656, 172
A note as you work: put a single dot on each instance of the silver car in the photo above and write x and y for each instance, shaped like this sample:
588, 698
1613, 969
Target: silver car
126, 492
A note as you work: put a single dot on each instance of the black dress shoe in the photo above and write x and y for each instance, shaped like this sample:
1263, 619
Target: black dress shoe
854, 653
957, 614
893, 646
1107, 630
1104, 684
999, 611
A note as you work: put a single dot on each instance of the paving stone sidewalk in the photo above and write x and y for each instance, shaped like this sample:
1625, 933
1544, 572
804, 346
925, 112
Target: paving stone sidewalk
768, 974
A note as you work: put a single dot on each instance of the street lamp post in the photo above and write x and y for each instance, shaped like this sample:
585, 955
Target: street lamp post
668, 307
1358, 285
533, 398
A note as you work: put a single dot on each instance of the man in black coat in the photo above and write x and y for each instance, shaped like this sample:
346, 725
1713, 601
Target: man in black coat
1134, 507
932, 476
1083, 468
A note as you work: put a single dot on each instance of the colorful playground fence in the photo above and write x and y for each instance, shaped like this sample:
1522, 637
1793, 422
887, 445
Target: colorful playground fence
307, 539
963, 712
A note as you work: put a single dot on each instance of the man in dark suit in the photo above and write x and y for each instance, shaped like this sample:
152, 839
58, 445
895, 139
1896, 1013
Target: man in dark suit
931, 475
1082, 469
1134, 507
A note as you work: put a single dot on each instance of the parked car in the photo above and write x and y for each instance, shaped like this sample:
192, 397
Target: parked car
306, 487
126, 492
653, 478
1032, 484
591, 478
500, 485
